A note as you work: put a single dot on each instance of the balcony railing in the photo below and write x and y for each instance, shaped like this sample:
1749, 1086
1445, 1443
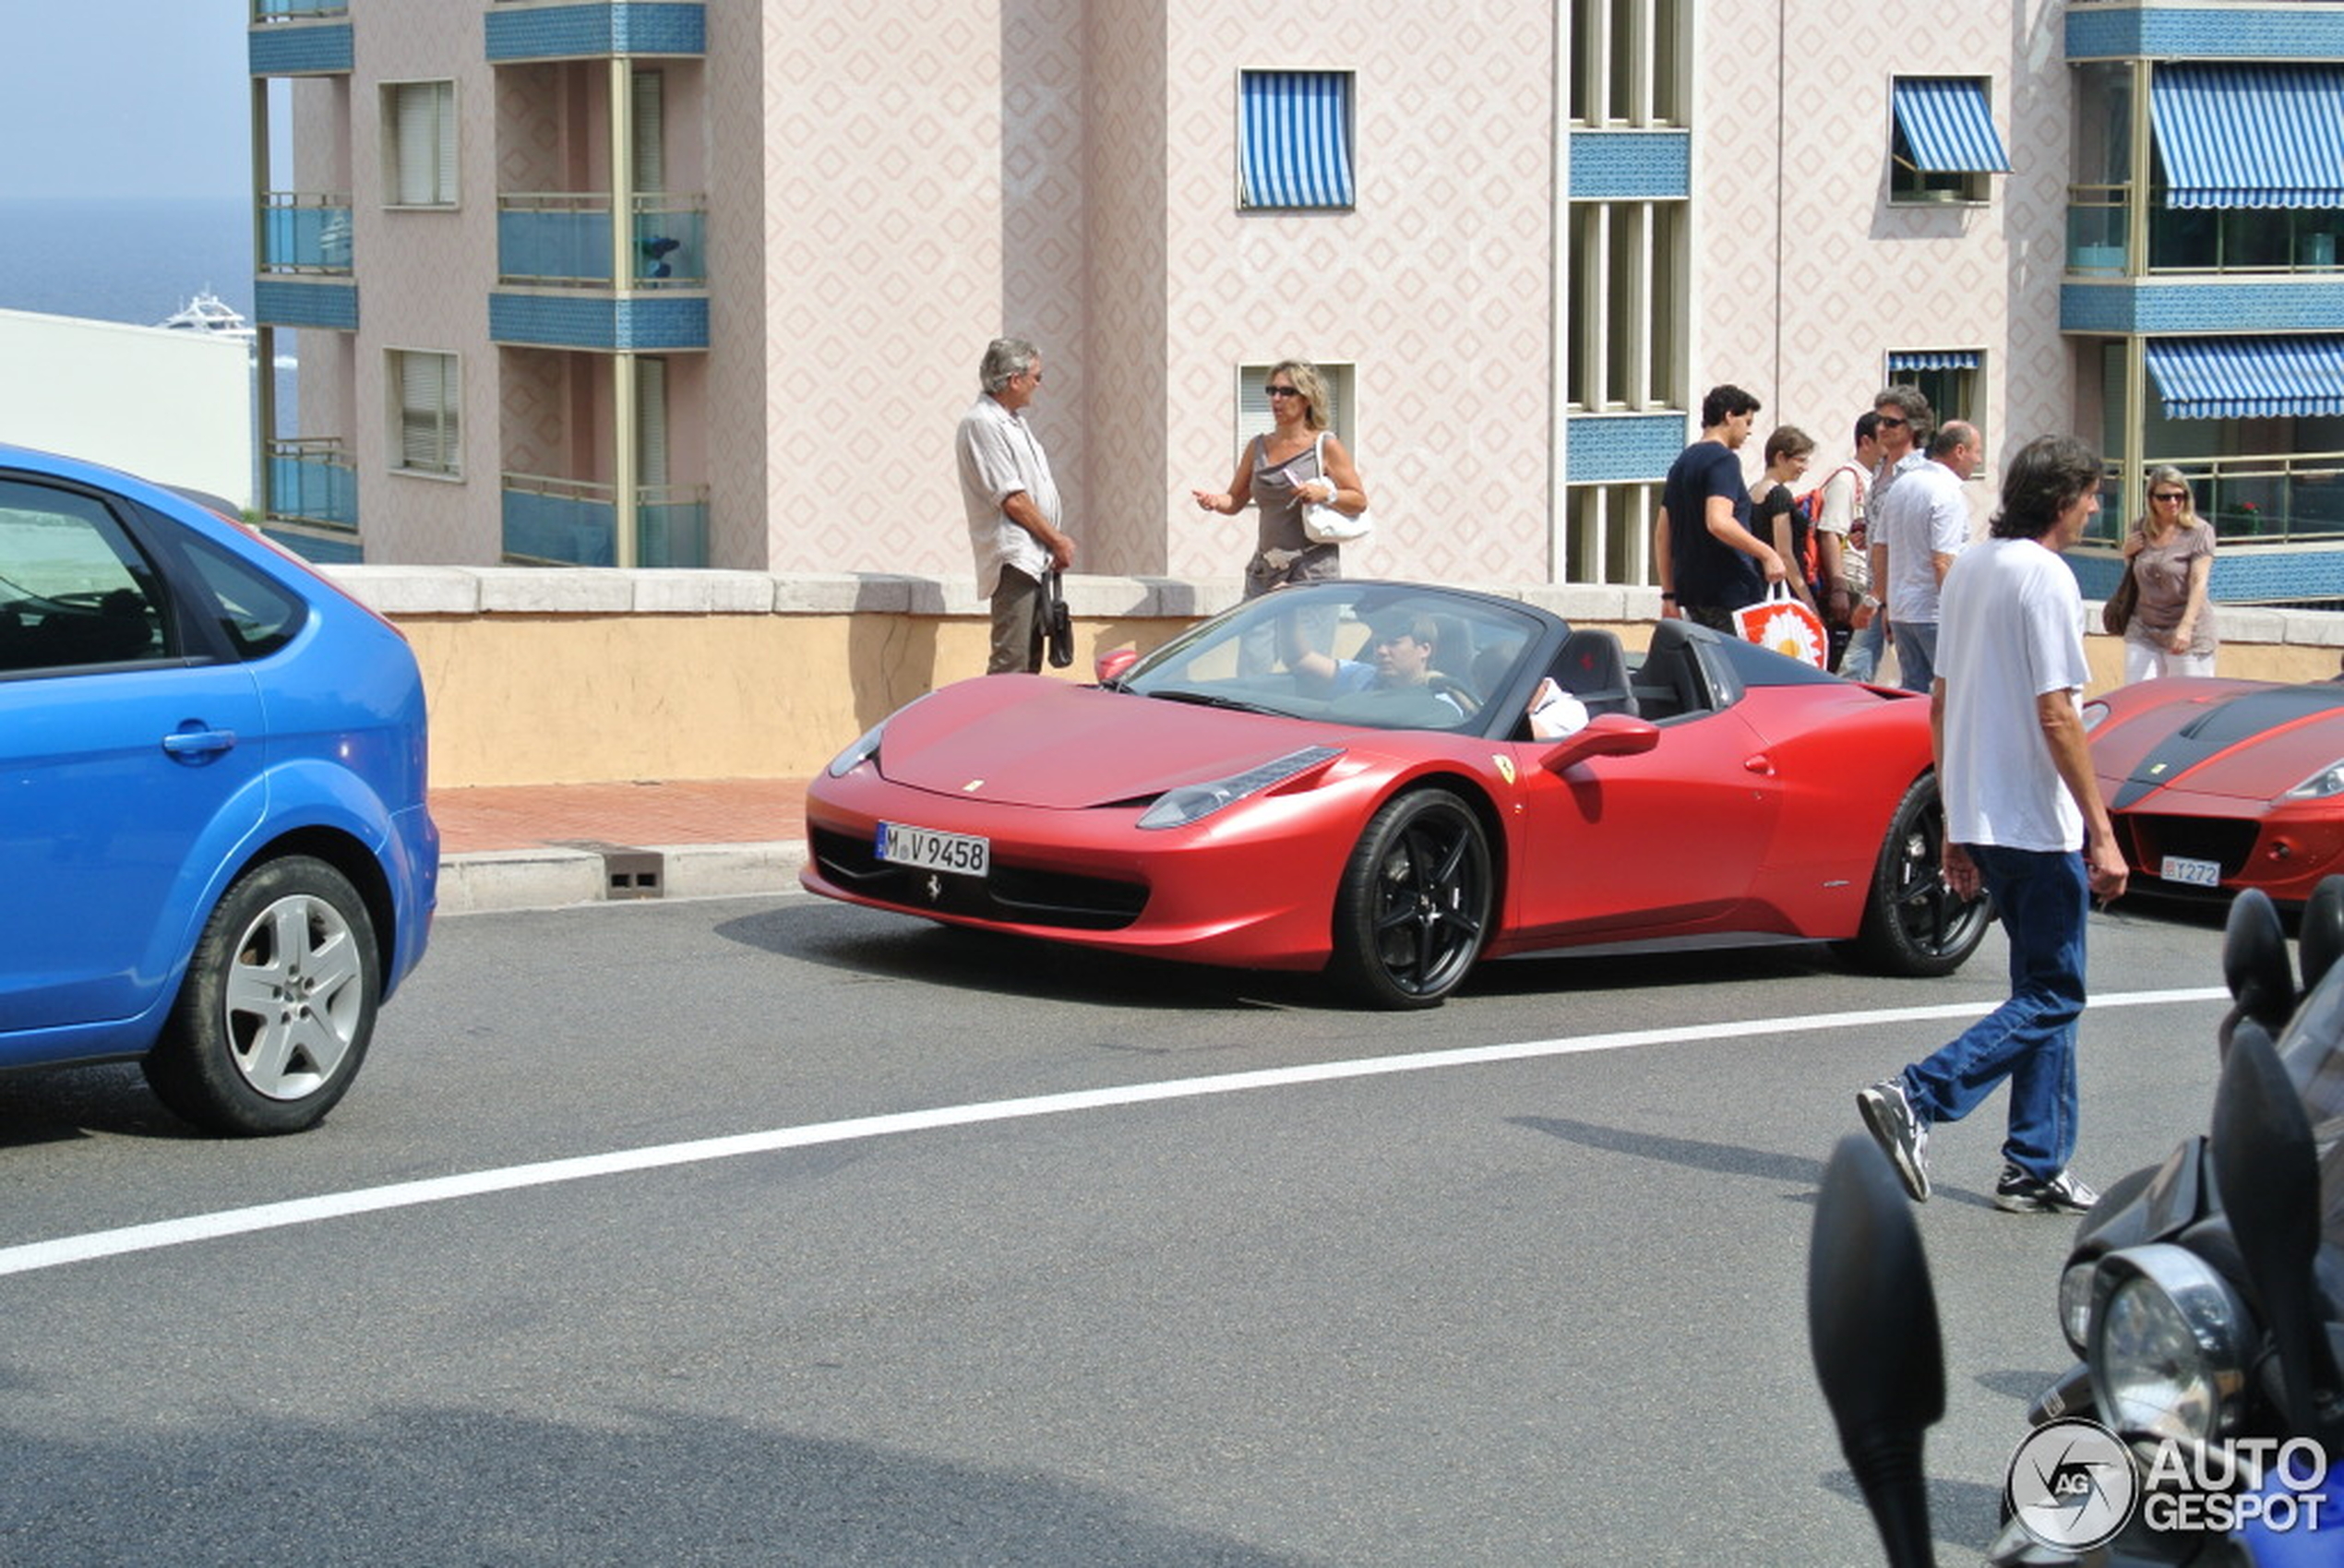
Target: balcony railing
551, 521
2241, 240
562, 238
311, 479
297, 10
304, 231
2265, 498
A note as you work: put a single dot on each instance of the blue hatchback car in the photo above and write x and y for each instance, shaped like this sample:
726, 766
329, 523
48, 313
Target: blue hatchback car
212, 820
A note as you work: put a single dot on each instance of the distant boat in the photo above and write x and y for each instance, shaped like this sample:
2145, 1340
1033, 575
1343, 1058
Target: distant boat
211, 316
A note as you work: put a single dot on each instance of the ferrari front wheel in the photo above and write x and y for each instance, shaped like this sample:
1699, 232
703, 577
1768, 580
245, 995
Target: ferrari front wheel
1413, 910
1914, 925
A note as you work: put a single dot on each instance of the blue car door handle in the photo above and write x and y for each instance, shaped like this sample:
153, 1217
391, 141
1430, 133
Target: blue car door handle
198, 742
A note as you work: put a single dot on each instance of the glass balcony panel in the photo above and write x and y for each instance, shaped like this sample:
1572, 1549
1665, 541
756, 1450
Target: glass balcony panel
2244, 239
291, 10
671, 241
304, 231
2095, 230
671, 526
311, 479
559, 521
2265, 498
553, 238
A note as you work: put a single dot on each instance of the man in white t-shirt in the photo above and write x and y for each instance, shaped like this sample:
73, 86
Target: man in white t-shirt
2021, 800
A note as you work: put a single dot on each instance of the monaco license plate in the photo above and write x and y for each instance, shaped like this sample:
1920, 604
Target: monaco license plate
2192, 873
962, 854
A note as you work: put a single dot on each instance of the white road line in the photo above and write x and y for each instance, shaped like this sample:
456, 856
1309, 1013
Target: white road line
37, 1255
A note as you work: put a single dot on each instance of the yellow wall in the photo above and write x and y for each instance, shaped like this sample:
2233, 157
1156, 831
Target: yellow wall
581, 698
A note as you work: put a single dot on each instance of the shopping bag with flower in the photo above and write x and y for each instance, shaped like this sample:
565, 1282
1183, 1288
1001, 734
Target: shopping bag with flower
1783, 622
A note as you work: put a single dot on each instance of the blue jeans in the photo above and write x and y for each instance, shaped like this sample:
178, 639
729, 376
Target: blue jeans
1862, 658
1915, 655
2043, 897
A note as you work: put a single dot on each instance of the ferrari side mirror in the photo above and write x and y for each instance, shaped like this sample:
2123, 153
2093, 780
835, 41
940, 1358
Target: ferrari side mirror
1606, 734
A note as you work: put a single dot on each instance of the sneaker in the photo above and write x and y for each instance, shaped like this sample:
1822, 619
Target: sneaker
2020, 1193
1903, 1136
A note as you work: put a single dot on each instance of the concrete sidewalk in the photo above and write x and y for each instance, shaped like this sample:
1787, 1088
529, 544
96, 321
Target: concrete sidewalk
543, 846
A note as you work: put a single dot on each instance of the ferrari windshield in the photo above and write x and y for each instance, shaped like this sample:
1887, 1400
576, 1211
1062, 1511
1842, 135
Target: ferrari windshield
1381, 655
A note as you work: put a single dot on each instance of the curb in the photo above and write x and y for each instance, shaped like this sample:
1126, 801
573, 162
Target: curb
548, 877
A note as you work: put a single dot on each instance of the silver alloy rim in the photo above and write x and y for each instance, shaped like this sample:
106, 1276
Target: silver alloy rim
296, 997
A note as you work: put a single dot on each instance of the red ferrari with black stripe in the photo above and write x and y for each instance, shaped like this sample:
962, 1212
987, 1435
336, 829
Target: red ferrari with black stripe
2216, 785
1343, 777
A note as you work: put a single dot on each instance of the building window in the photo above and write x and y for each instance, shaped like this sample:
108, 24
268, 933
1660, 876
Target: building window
427, 413
1627, 62
1607, 533
1944, 143
1627, 297
1253, 403
1947, 377
1294, 139
419, 143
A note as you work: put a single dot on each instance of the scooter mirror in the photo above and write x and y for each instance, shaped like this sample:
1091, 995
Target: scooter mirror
2268, 1168
1872, 1326
2254, 960
2319, 932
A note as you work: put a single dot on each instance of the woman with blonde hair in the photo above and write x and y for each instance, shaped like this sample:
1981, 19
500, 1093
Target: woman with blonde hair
1298, 460
2171, 554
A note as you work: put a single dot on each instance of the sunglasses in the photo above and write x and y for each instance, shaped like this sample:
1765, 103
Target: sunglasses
1890, 423
1285, 391
2169, 495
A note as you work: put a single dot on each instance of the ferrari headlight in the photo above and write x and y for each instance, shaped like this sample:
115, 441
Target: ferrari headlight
2328, 781
1193, 803
2095, 714
2168, 1344
866, 747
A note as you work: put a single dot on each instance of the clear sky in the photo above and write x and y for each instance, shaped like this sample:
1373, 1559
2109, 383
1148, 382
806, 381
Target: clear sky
125, 98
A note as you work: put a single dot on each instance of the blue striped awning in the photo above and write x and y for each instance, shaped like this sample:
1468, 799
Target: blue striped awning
1295, 129
1932, 359
1946, 125
2250, 135
2248, 377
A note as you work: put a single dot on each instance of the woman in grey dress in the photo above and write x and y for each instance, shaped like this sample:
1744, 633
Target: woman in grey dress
1279, 472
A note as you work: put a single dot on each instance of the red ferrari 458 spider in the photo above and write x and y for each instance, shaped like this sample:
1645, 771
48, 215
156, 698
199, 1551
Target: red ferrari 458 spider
2220, 784
1344, 777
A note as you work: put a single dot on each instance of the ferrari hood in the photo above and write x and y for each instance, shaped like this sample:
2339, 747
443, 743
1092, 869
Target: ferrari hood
2251, 744
1028, 740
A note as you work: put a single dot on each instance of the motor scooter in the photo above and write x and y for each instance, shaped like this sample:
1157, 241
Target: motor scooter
2201, 1296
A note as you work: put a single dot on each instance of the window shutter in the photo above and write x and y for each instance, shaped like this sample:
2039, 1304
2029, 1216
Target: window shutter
651, 132
651, 423
444, 142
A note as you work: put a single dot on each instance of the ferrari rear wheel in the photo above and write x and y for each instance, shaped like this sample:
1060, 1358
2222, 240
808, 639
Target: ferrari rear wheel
1413, 911
1913, 923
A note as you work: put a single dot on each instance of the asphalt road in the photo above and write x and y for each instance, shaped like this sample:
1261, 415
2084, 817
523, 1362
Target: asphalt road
1179, 1266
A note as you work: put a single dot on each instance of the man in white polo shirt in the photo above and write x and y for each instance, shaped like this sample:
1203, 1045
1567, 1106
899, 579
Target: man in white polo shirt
1922, 524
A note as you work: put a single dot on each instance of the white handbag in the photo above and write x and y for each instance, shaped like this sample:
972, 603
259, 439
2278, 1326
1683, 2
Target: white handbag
1321, 522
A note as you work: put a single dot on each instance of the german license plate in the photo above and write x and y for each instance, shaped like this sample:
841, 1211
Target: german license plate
962, 854
2192, 873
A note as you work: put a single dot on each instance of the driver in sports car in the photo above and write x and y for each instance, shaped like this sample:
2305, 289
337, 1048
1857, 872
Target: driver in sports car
1403, 646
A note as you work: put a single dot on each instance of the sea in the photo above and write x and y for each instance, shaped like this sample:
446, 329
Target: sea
134, 261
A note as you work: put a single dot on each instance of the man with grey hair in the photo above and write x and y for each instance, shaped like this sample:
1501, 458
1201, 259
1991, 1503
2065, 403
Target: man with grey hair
1919, 528
1012, 503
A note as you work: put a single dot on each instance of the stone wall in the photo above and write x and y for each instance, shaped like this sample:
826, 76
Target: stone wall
578, 677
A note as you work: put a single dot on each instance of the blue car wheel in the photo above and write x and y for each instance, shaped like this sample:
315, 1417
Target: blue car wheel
278, 1006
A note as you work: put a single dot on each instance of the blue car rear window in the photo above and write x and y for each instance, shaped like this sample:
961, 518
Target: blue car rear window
258, 614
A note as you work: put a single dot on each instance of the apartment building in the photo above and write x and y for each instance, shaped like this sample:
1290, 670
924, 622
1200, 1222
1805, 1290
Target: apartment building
666, 282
